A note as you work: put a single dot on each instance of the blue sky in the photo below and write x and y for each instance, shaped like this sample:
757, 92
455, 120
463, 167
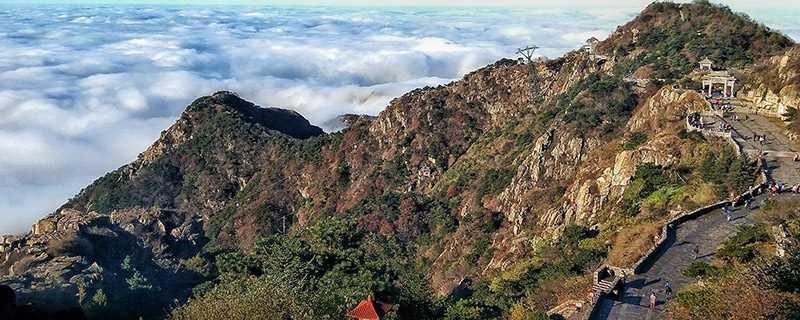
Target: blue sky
85, 89
502, 3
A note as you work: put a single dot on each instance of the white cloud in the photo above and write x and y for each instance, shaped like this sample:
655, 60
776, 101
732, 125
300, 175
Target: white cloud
84, 89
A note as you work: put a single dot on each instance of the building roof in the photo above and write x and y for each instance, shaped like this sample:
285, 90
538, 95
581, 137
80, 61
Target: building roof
370, 309
706, 60
592, 40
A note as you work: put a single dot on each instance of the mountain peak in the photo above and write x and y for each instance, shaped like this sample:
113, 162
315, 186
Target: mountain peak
285, 121
666, 40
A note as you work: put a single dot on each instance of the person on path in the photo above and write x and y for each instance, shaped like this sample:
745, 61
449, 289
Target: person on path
696, 252
748, 202
727, 211
668, 289
652, 300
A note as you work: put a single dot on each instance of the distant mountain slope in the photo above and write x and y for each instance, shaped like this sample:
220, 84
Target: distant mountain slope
483, 190
667, 39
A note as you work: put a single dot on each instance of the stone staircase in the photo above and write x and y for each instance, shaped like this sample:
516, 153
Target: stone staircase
570, 309
605, 286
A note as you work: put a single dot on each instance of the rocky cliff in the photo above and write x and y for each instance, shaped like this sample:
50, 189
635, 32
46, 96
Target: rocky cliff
773, 86
468, 177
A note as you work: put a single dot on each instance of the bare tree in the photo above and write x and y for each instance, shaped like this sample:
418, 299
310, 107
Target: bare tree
527, 58
527, 53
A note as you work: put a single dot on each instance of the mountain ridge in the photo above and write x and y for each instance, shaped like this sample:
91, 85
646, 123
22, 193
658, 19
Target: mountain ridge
469, 180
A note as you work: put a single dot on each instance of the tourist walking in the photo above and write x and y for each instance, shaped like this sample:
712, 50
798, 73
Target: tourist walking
696, 252
668, 289
652, 300
727, 211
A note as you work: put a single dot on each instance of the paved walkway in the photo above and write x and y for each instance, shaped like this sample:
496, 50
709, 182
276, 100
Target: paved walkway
780, 151
707, 232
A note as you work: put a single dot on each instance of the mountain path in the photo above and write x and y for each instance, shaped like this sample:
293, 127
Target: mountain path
708, 231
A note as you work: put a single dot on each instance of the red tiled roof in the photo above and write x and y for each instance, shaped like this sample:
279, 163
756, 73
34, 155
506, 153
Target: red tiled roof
365, 310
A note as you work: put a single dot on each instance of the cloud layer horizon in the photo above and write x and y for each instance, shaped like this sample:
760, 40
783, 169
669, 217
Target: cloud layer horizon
84, 89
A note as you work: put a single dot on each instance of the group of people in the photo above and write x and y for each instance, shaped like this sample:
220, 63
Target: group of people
9, 310
780, 187
653, 298
696, 120
760, 138
724, 127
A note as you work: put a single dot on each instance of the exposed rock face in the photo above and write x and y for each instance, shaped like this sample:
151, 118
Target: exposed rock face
346, 121
595, 173
774, 86
147, 211
493, 146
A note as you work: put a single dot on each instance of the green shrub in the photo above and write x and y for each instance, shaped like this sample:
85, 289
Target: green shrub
744, 245
787, 274
99, 298
634, 141
494, 181
247, 298
647, 179
696, 300
700, 269
692, 136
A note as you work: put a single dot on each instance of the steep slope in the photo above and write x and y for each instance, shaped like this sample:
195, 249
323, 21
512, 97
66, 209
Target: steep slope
667, 39
773, 88
472, 190
127, 233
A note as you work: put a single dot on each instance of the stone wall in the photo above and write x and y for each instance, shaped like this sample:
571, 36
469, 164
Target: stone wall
666, 230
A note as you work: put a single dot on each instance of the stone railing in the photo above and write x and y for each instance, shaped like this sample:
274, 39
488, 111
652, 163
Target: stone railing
728, 135
667, 231
567, 309
674, 222
591, 307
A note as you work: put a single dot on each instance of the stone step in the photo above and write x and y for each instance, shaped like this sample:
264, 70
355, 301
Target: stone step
604, 286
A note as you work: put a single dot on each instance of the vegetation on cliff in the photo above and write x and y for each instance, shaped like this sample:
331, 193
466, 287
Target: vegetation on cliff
667, 40
748, 279
464, 201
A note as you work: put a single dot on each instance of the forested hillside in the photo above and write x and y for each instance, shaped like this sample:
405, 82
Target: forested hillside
492, 197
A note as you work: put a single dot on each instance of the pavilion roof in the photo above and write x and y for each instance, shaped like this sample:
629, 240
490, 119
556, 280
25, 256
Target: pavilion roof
370, 309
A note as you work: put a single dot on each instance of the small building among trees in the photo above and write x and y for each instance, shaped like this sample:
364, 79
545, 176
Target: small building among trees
370, 309
706, 64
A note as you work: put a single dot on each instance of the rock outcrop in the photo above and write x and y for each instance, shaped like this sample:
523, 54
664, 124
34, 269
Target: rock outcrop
496, 149
774, 85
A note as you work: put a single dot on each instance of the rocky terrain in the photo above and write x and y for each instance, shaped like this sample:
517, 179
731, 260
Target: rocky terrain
774, 86
469, 178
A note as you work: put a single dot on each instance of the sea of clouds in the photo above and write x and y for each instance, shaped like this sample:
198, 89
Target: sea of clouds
84, 89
